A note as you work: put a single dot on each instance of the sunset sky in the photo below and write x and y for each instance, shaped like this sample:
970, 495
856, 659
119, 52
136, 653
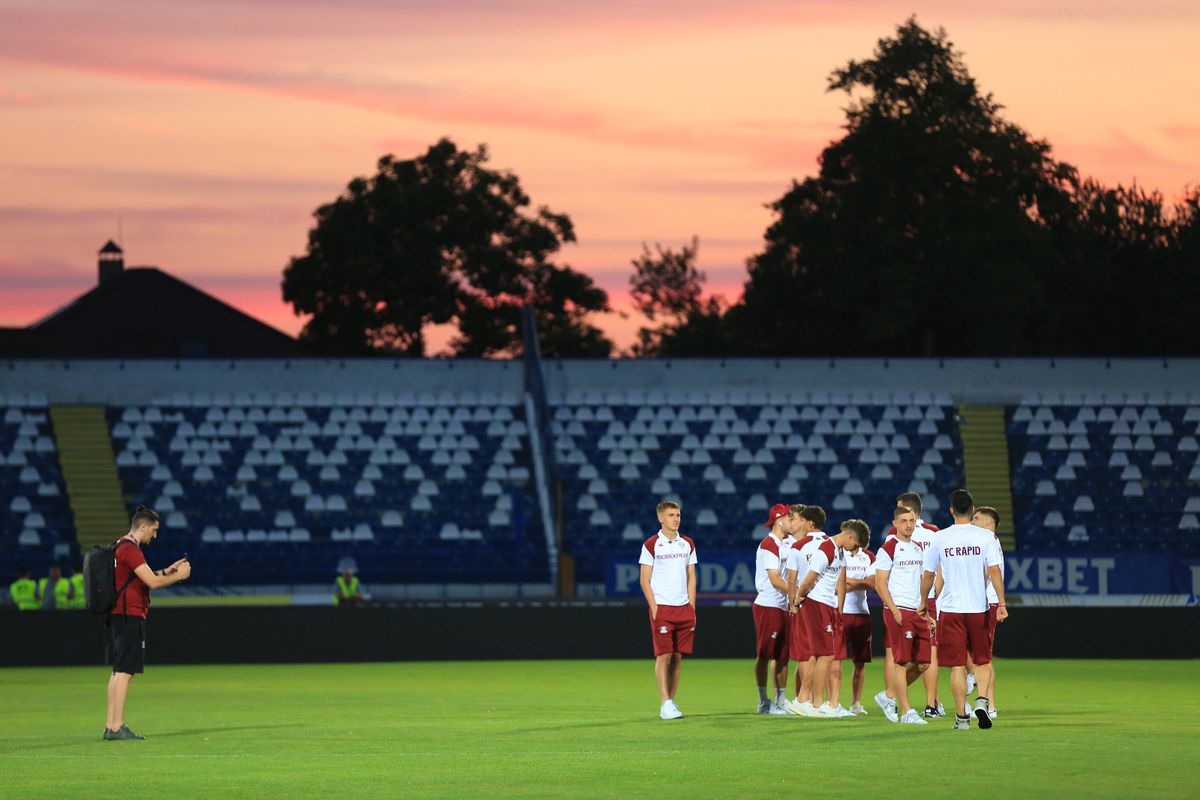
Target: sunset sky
212, 130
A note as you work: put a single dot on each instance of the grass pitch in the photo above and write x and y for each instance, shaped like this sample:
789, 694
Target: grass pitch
584, 729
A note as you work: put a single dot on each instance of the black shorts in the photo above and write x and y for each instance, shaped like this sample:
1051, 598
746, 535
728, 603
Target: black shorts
127, 644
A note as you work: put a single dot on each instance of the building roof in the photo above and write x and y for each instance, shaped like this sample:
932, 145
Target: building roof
143, 312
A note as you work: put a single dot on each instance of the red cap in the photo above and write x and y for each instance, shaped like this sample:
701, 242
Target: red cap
778, 510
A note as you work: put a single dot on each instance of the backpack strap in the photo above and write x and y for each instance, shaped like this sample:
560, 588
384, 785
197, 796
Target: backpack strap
128, 580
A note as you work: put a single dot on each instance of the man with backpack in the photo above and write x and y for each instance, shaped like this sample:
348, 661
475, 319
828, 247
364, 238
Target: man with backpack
133, 580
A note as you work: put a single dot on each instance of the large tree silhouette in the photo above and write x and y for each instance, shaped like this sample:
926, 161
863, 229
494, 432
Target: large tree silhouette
927, 230
440, 239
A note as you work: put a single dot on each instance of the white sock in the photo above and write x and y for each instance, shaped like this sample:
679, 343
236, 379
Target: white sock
780, 696
762, 694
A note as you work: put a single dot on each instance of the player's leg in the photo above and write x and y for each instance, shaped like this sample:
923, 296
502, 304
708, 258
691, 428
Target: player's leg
781, 676
834, 686
820, 678
676, 660
118, 691
762, 665
958, 687
662, 672
857, 679
930, 679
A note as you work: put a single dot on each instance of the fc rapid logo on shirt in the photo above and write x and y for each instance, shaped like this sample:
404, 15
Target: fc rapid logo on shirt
663, 629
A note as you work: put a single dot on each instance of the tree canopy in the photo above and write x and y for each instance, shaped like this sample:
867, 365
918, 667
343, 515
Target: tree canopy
440, 239
934, 226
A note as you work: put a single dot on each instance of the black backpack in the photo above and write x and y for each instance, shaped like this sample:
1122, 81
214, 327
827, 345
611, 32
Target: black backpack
100, 577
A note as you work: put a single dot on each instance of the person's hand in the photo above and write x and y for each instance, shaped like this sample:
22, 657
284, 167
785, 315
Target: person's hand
1001, 612
923, 609
171, 569
184, 569
654, 611
897, 616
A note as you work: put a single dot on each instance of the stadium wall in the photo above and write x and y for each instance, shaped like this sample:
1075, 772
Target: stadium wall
1002, 380
423, 632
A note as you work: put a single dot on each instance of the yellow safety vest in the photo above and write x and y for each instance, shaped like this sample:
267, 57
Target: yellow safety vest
344, 589
24, 594
78, 601
62, 591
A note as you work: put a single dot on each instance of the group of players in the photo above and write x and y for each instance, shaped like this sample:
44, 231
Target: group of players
942, 593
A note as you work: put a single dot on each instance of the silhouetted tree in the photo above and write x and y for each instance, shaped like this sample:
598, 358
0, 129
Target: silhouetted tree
929, 208
439, 239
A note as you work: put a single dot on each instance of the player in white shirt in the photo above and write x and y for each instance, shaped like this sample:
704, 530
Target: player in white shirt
969, 557
810, 521
923, 535
668, 578
821, 597
770, 608
898, 567
856, 619
988, 518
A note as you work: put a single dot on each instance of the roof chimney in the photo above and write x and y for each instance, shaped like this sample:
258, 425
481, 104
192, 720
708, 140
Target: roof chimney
112, 262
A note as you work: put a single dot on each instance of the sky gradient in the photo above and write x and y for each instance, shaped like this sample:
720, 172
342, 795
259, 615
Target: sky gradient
213, 130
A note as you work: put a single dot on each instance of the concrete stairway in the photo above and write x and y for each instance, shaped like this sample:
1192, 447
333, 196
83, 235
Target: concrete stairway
90, 472
985, 456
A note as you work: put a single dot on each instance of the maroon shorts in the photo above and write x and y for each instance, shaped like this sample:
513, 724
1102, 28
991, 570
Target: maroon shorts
963, 633
991, 612
931, 605
798, 638
857, 628
770, 633
822, 623
673, 629
910, 638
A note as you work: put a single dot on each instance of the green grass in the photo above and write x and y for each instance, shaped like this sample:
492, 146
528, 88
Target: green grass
584, 729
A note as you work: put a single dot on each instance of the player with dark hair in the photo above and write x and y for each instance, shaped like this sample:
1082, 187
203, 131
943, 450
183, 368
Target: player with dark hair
988, 518
668, 578
898, 567
127, 622
770, 608
856, 619
809, 535
824, 586
969, 557
923, 535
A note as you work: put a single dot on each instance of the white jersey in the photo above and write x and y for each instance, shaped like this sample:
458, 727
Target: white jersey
669, 560
800, 552
993, 598
827, 561
964, 552
859, 567
904, 562
785, 550
768, 557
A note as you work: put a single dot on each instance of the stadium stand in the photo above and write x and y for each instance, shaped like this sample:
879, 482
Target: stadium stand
35, 519
733, 453
1115, 470
276, 487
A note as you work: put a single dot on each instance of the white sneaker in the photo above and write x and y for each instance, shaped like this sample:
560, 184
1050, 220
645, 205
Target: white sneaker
778, 710
857, 708
992, 713
792, 707
764, 706
669, 711
887, 706
842, 711
941, 710
806, 710
981, 713
970, 684
911, 717
827, 711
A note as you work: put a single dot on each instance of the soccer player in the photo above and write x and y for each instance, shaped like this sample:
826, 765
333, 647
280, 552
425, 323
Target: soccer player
988, 518
127, 623
824, 586
770, 609
969, 556
809, 535
898, 568
856, 619
923, 535
668, 577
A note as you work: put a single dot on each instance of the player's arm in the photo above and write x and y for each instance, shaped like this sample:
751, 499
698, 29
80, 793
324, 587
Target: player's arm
647, 570
691, 572
791, 590
998, 584
810, 580
885, 594
927, 579
938, 583
853, 585
155, 581
776, 581
841, 590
